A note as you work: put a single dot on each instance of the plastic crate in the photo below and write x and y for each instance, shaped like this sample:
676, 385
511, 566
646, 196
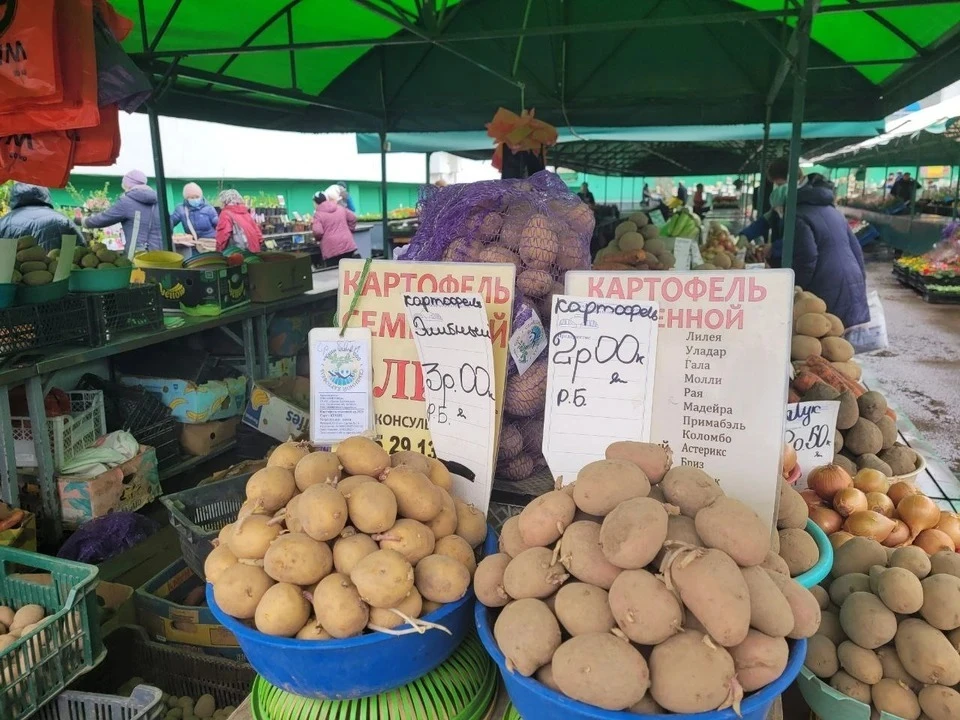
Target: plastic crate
130, 653
164, 437
69, 434
39, 665
144, 703
137, 308
28, 327
127, 407
199, 513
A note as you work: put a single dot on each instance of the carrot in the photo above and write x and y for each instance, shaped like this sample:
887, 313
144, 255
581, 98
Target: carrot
804, 381
830, 375
792, 396
14, 519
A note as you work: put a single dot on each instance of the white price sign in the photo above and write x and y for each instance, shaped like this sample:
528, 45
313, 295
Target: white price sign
452, 335
601, 363
810, 430
683, 252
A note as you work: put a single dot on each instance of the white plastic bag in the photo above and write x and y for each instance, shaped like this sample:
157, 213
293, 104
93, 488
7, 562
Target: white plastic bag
870, 335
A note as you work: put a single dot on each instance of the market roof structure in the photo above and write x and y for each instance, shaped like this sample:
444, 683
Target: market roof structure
937, 144
414, 65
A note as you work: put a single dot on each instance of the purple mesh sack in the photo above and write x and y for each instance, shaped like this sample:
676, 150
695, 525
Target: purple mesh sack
101, 538
541, 227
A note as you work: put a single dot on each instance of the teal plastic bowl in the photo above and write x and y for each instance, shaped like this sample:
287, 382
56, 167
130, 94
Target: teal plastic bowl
824, 565
33, 294
8, 293
94, 280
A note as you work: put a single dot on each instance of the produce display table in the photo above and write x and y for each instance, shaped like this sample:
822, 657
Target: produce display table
253, 319
914, 235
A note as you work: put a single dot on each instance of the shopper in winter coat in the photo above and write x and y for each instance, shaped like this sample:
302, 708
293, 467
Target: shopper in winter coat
333, 227
198, 218
827, 259
236, 226
136, 211
32, 213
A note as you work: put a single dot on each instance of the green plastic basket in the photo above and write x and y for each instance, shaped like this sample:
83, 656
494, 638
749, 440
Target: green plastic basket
462, 688
42, 663
94, 280
33, 294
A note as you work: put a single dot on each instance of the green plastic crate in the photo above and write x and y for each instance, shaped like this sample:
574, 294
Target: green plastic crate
39, 665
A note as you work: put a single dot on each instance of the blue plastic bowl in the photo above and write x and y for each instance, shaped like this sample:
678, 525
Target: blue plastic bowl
535, 701
356, 667
824, 565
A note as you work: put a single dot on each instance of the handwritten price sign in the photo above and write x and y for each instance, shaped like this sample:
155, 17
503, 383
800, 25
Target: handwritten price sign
452, 335
810, 430
602, 355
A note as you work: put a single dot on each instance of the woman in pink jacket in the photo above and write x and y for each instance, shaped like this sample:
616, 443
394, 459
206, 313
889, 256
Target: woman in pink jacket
333, 227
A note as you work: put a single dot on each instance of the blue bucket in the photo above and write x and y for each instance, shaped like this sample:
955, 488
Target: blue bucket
535, 701
824, 565
356, 667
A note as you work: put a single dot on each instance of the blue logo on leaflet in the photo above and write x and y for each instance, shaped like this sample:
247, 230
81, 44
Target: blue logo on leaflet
342, 368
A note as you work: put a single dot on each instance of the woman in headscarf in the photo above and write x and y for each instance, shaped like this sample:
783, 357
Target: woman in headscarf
197, 217
333, 227
136, 211
236, 226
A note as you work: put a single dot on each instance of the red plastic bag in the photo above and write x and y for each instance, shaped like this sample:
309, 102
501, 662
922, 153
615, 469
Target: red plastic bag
119, 25
100, 145
28, 66
78, 63
40, 159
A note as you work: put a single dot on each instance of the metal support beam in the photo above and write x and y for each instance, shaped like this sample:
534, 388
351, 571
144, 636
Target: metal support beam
293, 55
516, 55
764, 153
383, 196
427, 179
790, 60
9, 481
161, 177
799, 99
165, 24
49, 495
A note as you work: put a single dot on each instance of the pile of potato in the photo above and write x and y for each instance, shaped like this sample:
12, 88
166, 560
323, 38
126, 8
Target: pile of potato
891, 630
15, 623
817, 332
636, 245
186, 707
639, 577
329, 544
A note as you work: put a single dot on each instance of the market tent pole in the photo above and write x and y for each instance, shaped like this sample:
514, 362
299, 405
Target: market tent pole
799, 96
161, 177
427, 180
762, 201
886, 170
383, 196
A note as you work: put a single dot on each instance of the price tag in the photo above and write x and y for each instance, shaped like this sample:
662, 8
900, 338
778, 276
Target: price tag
683, 252
755, 266
602, 357
695, 257
452, 335
8, 259
341, 383
656, 217
810, 430
67, 245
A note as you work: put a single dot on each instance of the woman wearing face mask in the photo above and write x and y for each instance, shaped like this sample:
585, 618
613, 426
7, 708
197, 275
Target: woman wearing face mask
136, 211
197, 217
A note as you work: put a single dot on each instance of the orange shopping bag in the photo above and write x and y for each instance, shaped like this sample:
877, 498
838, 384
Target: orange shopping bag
119, 25
78, 62
29, 67
100, 145
40, 158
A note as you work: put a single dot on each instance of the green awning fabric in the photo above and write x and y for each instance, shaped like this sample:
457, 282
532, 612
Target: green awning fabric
429, 65
930, 146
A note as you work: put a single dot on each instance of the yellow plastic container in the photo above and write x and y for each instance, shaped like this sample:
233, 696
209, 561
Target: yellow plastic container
159, 259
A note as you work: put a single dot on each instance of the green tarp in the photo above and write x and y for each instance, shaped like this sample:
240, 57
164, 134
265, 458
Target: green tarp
372, 65
930, 146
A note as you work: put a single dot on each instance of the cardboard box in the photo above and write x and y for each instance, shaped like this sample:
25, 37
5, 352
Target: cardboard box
203, 292
115, 602
192, 403
171, 607
279, 408
204, 438
128, 487
276, 366
280, 275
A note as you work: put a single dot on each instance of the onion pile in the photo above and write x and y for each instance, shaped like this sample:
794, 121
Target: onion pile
868, 505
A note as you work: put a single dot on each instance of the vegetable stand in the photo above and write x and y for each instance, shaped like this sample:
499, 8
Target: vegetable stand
253, 320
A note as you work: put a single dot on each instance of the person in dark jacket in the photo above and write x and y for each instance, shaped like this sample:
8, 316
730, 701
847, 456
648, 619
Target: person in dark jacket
827, 259
136, 211
682, 193
32, 213
197, 217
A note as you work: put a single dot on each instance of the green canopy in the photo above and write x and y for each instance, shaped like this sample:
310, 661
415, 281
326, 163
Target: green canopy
415, 65
938, 144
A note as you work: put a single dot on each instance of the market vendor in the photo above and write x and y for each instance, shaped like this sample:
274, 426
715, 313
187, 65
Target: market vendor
136, 210
32, 213
197, 217
333, 227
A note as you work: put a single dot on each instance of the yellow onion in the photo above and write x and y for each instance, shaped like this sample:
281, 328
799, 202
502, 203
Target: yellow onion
849, 500
932, 541
870, 480
826, 519
839, 538
811, 498
900, 535
899, 490
867, 523
919, 513
789, 459
878, 502
827, 480
950, 524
